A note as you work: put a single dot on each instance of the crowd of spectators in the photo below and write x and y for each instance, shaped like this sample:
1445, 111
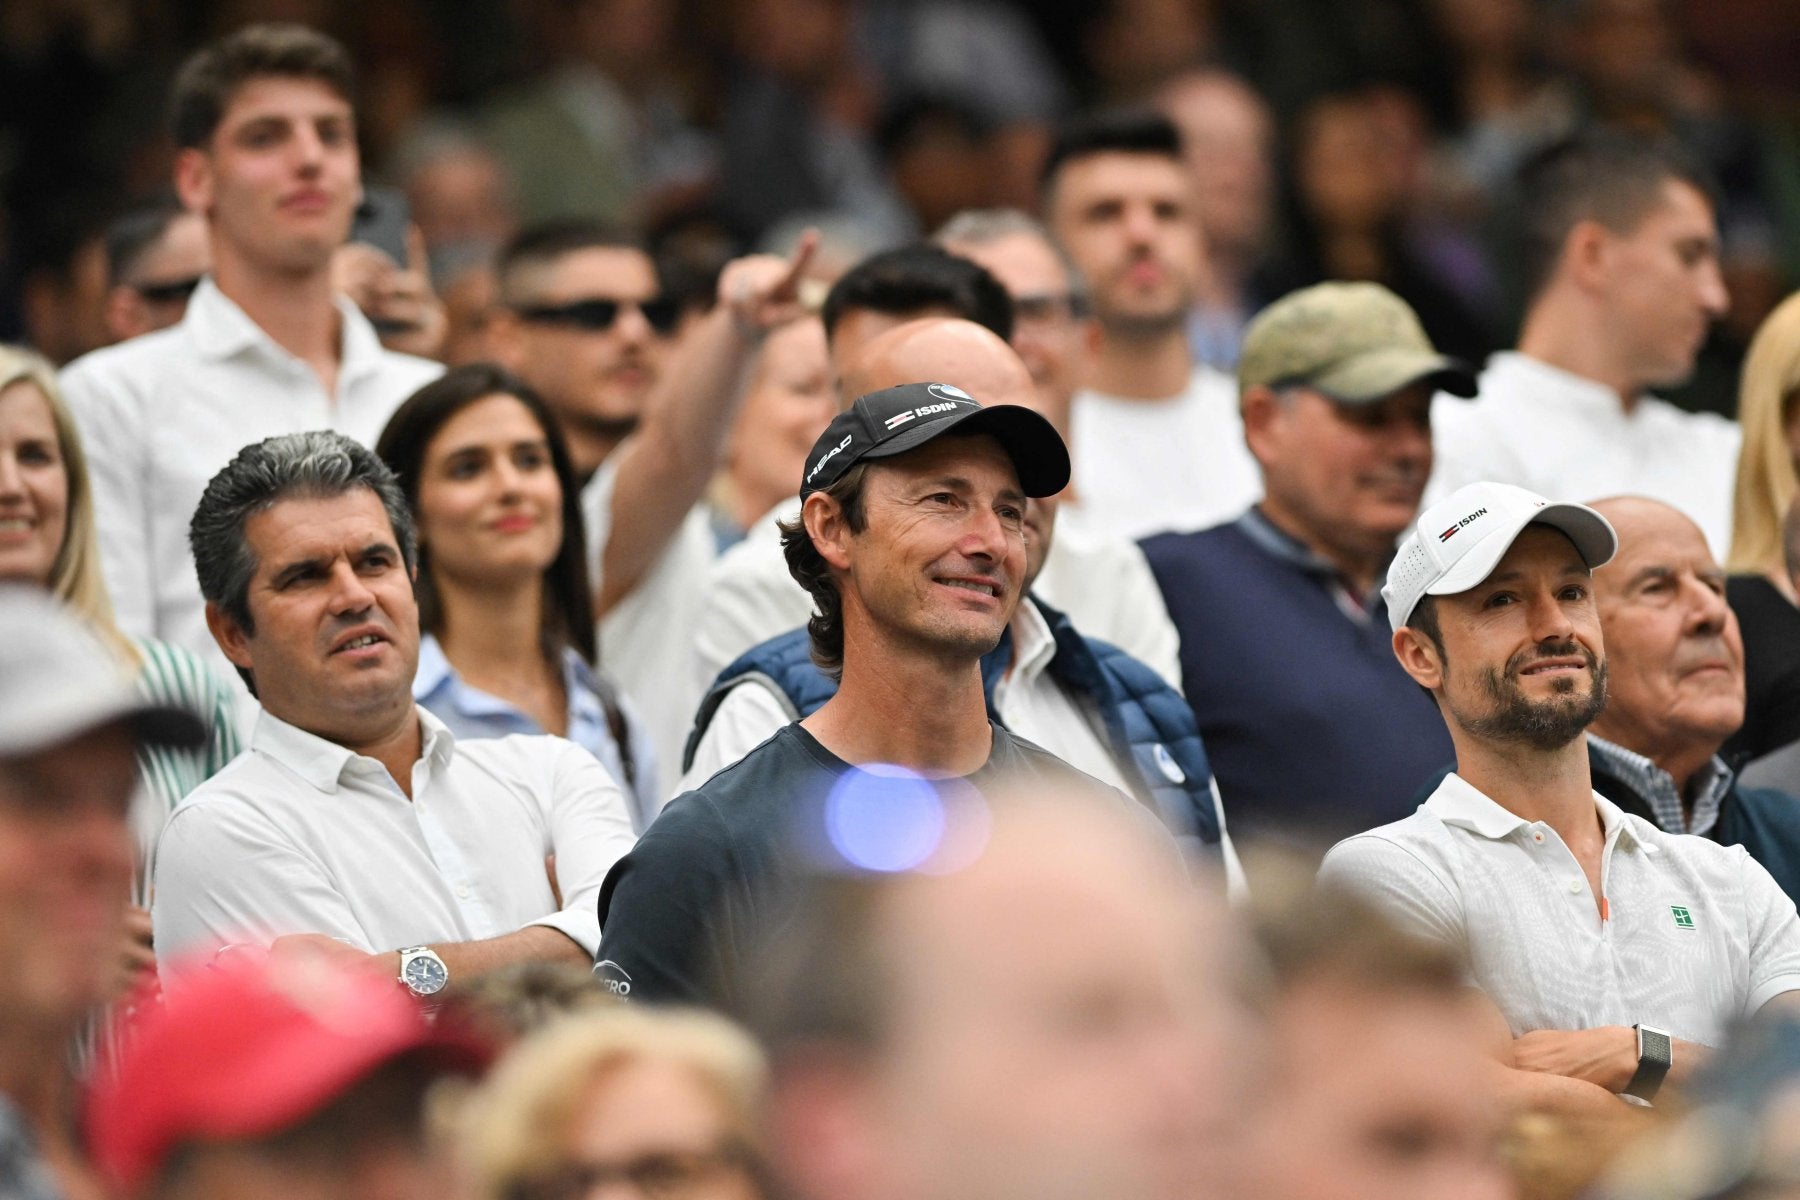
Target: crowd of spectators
899, 599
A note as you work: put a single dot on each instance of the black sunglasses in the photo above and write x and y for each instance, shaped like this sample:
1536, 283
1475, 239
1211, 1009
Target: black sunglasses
167, 293
661, 312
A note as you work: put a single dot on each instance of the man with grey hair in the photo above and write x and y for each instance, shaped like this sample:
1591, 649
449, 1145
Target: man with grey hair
355, 819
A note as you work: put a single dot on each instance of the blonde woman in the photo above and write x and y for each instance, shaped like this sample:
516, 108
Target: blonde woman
664, 1100
47, 540
1761, 589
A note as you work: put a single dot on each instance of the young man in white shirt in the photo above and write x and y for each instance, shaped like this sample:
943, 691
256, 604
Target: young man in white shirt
1157, 443
1614, 953
355, 817
267, 154
1621, 255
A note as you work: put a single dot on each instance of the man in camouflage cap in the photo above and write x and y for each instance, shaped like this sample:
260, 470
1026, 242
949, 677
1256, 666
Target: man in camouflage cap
1313, 730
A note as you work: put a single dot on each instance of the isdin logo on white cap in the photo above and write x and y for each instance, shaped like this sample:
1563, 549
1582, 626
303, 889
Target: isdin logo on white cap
1468, 520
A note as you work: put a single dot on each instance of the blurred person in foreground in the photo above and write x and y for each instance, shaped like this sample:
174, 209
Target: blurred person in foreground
1761, 589
1084, 700
356, 822
47, 541
657, 1103
1675, 692
156, 256
1046, 1008
70, 725
266, 130
259, 1078
1621, 254
505, 610
1614, 955
585, 321
1157, 442
912, 541
1372, 1080
1316, 732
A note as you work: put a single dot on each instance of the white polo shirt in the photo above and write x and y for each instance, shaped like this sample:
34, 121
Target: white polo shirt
162, 413
301, 835
1569, 438
1697, 935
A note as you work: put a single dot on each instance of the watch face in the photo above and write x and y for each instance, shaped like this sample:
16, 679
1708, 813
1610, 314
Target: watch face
424, 974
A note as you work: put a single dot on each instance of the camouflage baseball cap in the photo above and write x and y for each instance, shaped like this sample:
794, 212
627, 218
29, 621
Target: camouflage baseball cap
1355, 342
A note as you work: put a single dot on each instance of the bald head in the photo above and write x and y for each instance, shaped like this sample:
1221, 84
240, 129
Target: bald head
1675, 658
940, 350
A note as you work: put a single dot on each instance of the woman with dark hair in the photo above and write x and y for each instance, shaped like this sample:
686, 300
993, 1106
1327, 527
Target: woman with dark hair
504, 602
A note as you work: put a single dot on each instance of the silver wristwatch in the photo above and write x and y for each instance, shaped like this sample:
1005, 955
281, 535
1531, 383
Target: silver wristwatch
422, 971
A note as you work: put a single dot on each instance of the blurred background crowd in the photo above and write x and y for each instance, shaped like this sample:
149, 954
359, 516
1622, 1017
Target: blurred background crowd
1362, 139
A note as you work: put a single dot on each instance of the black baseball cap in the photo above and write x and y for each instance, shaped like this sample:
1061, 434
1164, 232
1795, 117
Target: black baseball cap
897, 419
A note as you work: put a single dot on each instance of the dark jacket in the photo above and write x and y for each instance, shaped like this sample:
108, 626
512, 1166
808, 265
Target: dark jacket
1765, 822
1148, 727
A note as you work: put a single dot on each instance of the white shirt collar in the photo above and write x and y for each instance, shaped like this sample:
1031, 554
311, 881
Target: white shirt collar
1534, 374
322, 763
1033, 643
1457, 802
220, 329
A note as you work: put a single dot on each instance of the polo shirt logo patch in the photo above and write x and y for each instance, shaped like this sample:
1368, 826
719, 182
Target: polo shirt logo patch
1683, 918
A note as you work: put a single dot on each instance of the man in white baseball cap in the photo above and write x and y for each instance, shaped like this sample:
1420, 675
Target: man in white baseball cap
1614, 954
70, 725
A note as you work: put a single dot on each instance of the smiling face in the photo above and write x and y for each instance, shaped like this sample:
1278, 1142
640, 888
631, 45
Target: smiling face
34, 486
1521, 658
336, 638
1675, 655
490, 505
940, 564
1128, 221
280, 177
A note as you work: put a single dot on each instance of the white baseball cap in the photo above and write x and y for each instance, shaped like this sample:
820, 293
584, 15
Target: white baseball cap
1458, 541
58, 681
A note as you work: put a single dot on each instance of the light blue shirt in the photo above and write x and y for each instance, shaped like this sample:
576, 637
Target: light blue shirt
470, 712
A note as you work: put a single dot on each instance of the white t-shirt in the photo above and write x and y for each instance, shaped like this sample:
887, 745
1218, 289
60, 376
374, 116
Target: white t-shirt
647, 640
1697, 936
1148, 466
162, 413
1104, 585
1569, 438
300, 835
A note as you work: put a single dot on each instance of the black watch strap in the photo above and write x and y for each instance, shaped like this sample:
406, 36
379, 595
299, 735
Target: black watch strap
1656, 1054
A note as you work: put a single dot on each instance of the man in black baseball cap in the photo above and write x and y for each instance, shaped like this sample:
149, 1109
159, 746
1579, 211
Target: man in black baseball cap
911, 542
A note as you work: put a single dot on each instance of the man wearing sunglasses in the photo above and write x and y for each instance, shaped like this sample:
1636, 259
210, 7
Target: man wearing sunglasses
582, 318
155, 258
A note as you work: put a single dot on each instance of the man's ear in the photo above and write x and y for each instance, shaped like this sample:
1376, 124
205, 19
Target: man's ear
830, 533
193, 180
1262, 411
1587, 254
230, 635
1419, 657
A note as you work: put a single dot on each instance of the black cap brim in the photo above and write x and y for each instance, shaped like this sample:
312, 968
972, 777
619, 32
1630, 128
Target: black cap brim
1036, 449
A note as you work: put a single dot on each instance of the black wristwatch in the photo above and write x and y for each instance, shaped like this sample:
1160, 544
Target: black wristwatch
1656, 1054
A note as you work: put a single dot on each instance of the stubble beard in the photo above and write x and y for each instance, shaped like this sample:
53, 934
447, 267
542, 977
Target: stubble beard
1547, 724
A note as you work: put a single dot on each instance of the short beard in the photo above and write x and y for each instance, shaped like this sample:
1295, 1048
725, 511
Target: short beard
1545, 725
